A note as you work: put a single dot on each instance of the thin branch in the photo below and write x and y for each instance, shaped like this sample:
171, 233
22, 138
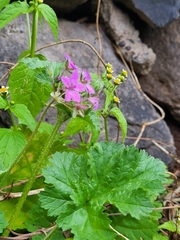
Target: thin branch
19, 194
98, 32
8, 63
119, 234
138, 86
28, 235
18, 183
73, 40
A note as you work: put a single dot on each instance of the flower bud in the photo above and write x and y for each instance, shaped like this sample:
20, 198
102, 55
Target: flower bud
108, 65
124, 73
121, 78
117, 81
109, 76
109, 70
116, 99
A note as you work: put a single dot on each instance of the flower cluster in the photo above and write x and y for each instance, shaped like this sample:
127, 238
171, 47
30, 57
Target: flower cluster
75, 90
117, 80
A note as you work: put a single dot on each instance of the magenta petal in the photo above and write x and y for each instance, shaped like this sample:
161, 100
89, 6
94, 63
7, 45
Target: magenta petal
67, 57
87, 76
74, 77
79, 87
72, 95
71, 65
89, 88
66, 81
95, 102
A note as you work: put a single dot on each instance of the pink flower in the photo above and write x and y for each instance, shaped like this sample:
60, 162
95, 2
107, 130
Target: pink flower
71, 65
86, 79
72, 87
95, 101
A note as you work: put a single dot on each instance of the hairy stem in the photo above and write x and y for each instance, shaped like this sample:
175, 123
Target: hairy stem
34, 33
106, 129
12, 118
6, 175
35, 172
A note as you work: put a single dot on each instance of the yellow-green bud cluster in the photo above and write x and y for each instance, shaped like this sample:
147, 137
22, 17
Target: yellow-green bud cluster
116, 99
121, 77
109, 71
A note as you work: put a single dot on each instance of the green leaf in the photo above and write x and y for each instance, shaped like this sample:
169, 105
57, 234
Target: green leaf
93, 118
34, 63
3, 3
160, 237
37, 217
24, 116
74, 126
80, 185
134, 229
11, 142
25, 89
109, 98
170, 225
12, 11
50, 16
97, 83
121, 120
3, 222
3, 103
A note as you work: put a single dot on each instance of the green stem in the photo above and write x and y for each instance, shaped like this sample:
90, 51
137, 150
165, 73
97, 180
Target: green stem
106, 129
12, 118
34, 32
35, 172
29, 29
6, 175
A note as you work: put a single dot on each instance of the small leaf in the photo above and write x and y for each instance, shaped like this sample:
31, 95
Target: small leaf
93, 118
25, 89
97, 83
134, 229
3, 3
3, 222
74, 126
34, 63
24, 116
12, 11
11, 142
50, 16
170, 225
159, 236
3, 103
121, 120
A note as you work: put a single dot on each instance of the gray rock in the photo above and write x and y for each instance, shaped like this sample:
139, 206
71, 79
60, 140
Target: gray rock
135, 107
122, 32
64, 6
157, 13
163, 82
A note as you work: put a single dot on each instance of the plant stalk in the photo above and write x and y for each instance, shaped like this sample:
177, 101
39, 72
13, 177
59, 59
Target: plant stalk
106, 129
6, 175
35, 172
34, 32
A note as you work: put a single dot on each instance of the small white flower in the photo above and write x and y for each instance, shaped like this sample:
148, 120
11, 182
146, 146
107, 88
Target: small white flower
57, 97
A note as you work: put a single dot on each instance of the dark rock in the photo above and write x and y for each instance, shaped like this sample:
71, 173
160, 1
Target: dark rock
163, 82
121, 31
135, 107
154, 12
64, 6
